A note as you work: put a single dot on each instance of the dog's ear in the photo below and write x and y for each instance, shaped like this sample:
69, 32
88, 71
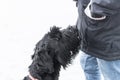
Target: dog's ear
62, 55
63, 59
55, 33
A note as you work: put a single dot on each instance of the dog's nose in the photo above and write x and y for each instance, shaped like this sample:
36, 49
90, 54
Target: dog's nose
26, 78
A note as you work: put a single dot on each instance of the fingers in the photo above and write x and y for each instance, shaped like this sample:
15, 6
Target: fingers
88, 13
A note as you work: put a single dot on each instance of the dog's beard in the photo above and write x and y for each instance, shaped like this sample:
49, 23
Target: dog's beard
42, 64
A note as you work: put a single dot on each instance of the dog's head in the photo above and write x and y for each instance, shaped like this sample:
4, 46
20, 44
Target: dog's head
43, 57
56, 46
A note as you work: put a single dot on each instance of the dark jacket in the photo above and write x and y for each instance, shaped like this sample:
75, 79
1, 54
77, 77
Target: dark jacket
100, 38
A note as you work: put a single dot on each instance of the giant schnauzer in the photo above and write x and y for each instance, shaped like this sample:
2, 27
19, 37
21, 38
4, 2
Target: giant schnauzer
57, 48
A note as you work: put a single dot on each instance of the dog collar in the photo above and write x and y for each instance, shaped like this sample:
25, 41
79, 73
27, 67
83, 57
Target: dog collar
32, 78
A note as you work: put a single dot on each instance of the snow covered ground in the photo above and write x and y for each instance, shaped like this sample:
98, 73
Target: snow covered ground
22, 24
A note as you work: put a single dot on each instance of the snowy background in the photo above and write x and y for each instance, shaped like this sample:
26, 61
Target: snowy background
22, 25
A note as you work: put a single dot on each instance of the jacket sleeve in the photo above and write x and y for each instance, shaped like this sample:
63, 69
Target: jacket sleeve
105, 7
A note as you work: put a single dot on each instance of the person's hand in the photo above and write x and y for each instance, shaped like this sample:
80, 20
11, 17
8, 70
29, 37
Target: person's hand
89, 14
32, 78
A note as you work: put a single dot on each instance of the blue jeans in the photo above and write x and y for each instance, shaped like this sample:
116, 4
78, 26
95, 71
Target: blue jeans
94, 67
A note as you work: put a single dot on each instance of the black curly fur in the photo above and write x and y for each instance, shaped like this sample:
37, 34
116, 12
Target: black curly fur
57, 48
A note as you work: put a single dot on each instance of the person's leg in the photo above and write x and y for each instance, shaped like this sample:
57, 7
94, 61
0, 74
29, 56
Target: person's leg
90, 67
110, 69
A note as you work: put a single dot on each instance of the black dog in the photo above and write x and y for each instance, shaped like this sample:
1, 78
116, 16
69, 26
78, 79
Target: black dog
57, 48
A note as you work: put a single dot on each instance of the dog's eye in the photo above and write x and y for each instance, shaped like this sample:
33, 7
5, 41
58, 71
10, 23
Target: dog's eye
71, 52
